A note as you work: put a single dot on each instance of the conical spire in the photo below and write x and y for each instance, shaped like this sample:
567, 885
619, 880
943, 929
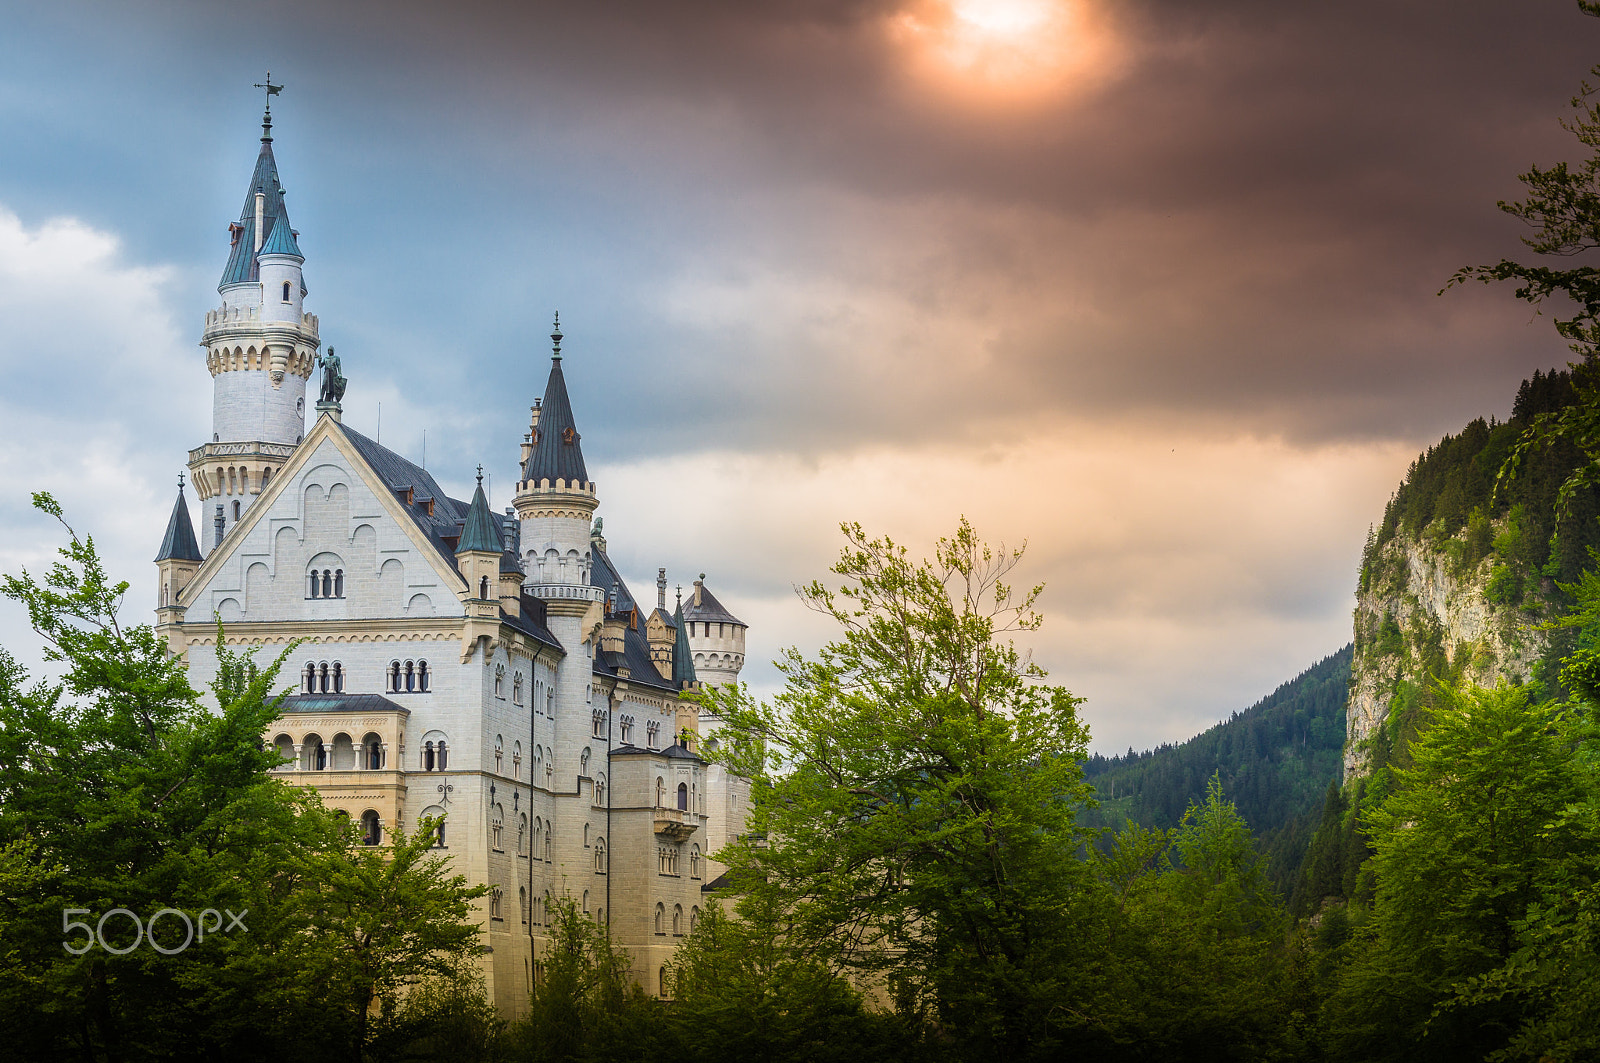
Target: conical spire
682, 664
179, 543
557, 453
241, 267
482, 532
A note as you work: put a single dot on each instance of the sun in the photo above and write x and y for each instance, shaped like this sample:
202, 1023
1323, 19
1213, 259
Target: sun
1004, 50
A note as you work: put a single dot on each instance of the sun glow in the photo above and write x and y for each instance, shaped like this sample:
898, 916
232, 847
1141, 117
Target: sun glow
1005, 50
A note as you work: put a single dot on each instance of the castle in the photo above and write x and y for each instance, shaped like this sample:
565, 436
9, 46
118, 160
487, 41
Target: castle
490, 668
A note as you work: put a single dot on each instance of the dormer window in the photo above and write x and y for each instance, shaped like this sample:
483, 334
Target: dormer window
569, 435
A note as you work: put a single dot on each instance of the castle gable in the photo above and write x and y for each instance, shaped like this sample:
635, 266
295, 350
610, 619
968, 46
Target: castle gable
329, 539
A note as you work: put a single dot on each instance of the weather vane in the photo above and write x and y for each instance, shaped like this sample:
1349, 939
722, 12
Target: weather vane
272, 90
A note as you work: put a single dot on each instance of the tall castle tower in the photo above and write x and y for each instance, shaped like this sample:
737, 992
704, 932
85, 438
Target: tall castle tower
261, 348
554, 501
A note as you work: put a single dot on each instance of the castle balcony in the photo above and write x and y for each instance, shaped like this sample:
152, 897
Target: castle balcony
581, 592
221, 322
277, 451
676, 823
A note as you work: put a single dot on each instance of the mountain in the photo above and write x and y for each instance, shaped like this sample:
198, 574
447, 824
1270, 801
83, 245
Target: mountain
1457, 578
1276, 760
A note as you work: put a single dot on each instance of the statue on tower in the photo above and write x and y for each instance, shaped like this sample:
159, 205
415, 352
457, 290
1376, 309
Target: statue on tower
332, 383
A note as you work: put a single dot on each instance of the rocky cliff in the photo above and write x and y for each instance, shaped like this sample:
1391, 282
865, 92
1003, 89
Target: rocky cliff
1425, 611
1457, 579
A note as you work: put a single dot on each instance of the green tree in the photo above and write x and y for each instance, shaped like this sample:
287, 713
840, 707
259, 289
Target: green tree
1469, 842
913, 815
120, 789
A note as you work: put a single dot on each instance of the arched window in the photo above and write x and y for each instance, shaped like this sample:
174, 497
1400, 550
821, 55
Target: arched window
499, 680
322, 756
422, 676
338, 678
516, 760
694, 918
443, 755
494, 903
683, 797
661, 920
311, 678
316, 585
694, 861
677, 920
483, 588
495, 827
322, 677
600, 790
338, 583
665, 994
237, 508
371, 830
585, 902
522, 834
374, 750
411, 677
600, 856
549, 831
661, 793
327, 583
522, 903
499, 753
599, 723
538, 835
516, 689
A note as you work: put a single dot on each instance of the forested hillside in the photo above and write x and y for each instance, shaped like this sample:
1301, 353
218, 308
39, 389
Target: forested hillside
1275, 759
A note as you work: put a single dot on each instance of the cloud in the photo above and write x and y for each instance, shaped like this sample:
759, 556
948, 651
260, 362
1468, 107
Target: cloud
1186, 575
104, 396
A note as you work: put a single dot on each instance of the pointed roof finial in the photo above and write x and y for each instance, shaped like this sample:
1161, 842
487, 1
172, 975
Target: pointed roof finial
266, 117
480, 475
555, 338
680, 596
180, 479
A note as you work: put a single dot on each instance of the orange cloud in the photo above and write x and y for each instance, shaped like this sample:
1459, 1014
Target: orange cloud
1005, 51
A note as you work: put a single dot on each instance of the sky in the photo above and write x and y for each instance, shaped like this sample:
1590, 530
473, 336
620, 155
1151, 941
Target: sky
1150, 287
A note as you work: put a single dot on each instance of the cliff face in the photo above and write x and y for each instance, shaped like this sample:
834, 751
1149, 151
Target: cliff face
1428, 608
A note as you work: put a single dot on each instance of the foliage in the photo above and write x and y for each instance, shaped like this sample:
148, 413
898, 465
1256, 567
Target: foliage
913, 817
1472, 837
119, 789
1274, 759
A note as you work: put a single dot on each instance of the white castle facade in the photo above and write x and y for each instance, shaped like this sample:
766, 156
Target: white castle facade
490, 668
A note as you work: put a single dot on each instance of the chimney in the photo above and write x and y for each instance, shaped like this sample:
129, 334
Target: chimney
221, 523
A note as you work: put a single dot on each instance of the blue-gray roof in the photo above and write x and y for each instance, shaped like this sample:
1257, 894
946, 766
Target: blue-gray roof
281, 242
482, 531
445, 524
557, 453
179, 543
242, 267
703, 606
682, 662
635, 653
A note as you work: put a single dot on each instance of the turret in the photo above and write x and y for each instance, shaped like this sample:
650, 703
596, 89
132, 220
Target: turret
715, 635
659, 630
478, 560
176, 563
261, 348
555, 498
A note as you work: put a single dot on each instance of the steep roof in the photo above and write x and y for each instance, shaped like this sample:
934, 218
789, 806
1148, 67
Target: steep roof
682, 661
557, 451
179, 543
242, 266
281, 242
635, 647
703, 606
482, 531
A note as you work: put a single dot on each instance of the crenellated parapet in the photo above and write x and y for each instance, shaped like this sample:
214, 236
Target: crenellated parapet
236, 469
